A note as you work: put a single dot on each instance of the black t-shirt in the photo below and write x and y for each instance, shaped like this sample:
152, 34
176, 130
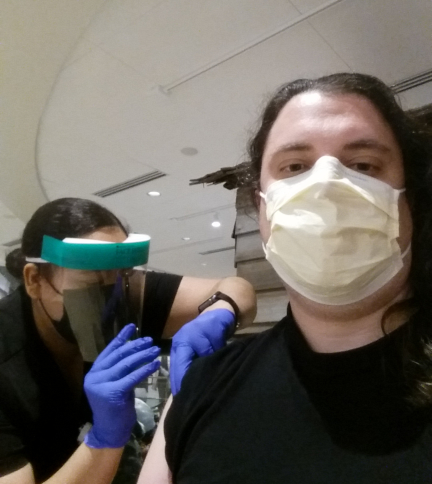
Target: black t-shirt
267, 409
159, 292
39, 419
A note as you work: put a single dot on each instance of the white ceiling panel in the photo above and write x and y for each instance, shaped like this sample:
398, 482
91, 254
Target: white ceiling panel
100, 104
188, 262
91, 166
83, 47
203, 238
138, 207
170, 236
11, 226
117, 16
180, 37
213, 111
88, 93
305, 6
55, 190
390, 39
170, 187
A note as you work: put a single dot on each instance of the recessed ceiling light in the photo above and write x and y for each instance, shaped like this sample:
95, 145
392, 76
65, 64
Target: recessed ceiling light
216, 222
153, 194
189, 151
185, 238
204, 264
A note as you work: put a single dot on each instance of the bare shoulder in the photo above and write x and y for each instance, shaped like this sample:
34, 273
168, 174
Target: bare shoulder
21, 476
155, 469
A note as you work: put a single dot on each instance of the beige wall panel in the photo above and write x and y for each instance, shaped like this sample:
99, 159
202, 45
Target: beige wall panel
246, 221
248, 247
260, 274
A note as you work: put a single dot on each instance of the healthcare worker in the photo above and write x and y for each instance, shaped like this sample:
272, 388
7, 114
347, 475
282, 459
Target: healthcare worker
340, 390
86, 311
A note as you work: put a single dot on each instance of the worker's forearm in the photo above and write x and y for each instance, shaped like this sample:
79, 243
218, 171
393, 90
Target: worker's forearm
88, 466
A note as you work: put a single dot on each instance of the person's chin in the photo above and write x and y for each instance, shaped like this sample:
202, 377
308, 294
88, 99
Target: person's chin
397, 289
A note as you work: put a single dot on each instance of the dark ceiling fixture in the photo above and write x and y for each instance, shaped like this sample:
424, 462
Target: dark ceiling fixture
413, 81
120, 187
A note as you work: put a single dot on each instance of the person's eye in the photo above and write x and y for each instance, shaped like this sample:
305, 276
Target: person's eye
366, 167
293, 168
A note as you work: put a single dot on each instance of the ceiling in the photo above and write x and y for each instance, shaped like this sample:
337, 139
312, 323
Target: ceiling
145, 79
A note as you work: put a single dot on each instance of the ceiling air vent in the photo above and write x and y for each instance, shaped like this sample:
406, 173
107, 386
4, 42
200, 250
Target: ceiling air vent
120, 187
216, 251
413, 81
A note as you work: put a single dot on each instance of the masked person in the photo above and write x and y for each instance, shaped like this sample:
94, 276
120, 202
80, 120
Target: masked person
341, 389
85, 312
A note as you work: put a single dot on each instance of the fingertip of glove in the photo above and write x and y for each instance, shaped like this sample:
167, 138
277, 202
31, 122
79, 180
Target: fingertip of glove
155, 350
127, 331
154, 365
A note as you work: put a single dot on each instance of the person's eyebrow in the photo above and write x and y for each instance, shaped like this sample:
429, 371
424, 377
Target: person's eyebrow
292, 147
367, 143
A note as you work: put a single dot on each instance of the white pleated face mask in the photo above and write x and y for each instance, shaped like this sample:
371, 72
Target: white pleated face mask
333, 233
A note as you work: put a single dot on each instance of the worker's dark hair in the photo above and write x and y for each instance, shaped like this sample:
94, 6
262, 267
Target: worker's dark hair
14, 262
416, 146
61, 218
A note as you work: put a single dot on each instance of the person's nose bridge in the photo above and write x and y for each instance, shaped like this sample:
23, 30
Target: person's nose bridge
108, 276
327, 134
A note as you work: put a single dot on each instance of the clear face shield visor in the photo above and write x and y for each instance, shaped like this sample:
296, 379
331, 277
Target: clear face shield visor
93, 283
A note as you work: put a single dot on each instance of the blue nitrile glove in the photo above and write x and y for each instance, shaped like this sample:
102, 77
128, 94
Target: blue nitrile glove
109, 386
201, 337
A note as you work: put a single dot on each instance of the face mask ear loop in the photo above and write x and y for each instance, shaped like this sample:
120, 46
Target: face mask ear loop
53, 288
53, 321
42, 304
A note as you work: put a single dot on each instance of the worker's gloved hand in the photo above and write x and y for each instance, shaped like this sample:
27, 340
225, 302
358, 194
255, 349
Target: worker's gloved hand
201, 337
109, 386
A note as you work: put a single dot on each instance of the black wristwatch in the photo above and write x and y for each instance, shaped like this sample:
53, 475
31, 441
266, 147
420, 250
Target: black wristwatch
220, 296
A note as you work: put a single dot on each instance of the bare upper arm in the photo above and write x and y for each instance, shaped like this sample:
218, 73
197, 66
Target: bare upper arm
193, 291
155, 469
190, 294
21, 476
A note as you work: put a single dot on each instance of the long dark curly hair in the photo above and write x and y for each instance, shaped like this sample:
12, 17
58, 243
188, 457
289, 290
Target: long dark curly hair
415, 142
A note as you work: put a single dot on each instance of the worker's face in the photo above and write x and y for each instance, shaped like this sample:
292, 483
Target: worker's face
88, 308
58, 279
345, 126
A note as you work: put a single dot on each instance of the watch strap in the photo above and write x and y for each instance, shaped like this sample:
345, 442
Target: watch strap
220, 296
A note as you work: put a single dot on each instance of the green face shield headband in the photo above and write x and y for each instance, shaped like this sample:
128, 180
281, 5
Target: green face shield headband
94, 255
93, 278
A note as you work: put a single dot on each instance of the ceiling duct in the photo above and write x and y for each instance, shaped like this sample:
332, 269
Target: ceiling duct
12, 243
120, 187
216, 251
203, 212
413, 81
